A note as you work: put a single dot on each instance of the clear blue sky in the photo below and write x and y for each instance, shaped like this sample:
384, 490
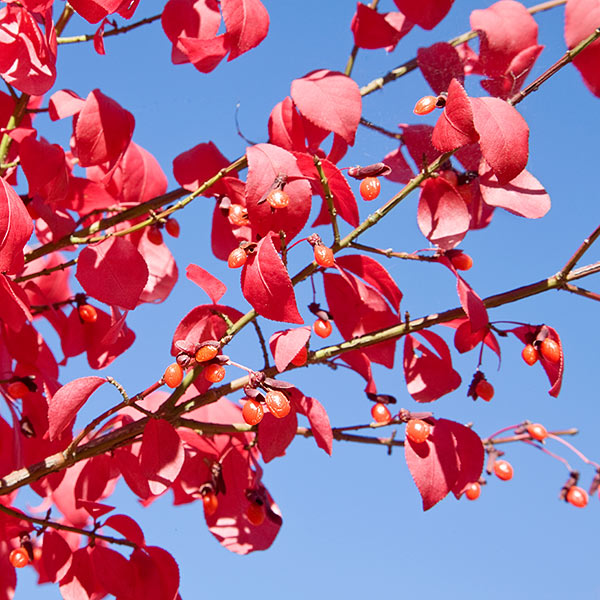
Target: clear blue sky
353, 524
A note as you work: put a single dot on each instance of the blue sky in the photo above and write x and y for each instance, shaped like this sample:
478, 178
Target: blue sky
353, 523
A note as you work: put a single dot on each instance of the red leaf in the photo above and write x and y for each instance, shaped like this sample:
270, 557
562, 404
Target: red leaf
374, 274
317, 417
330, 100
442, 215
344, 199
64, 405
127, 527
56, 555
168, 569
417, 139
286, 344
205, 55
113, 271
581, 19
14, 307
440, 64
362, 365
161, 456
162, 271
401, 171
214, 287
102, 130
469, 453
433, 464
426, 13
372, 29
94, 11
523, 196
429, 374
265, 163
80, 582
285, 126
247, 23
504, 136
63, 104
275, 435
16, 227
506, 28
359, 309
267, 286
193, 167
129, 466
455, 126
113, 571
465, 338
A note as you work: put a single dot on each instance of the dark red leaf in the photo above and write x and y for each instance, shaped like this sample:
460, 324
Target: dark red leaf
95, 10
102, 273
14, 307
16, 227
417, 139
429, 373
372, 29
129, 466
581, 18
433, 464
56, 554
426, 13
247, 23
64, 405
102, 130
214, 287
317, 417
330, 100
113, 571
442, 215
455, 126
275, 435
362, 365
127, 527
506, 28
286, 344
80, 582
524, 195
401, 171
440, 64
374, 274
267, 286
504, 136
161, 456
265, 163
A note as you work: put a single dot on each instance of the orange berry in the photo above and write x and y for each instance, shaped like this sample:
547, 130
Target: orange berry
18, 558
323, 256
461, 261
236, 259
253, 412
473, 491
88, 313
529, 354
214, 373
206, 353
550, 350
381, 413
278, 199
425, 105
370, 188
503, 470
577, 496
537, 431
238, 215
322, 328
278, 403
417, 430
173, 375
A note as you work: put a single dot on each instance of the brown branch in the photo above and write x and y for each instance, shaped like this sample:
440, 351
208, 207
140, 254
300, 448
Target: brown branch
585, 246
47, 271
61, 527
393, 254
569, 287
391, 134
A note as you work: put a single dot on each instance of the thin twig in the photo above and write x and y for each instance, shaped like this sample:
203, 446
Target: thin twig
585, 246
392, 253
263, 344
47, 271
328, 199
569, 287
90, 36
394, 135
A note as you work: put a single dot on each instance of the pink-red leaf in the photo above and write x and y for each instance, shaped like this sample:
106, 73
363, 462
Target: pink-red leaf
524, 195
64, 405
161, 456
582, 17
127, 527
504, 136
455, 126
267, 286
442, 215
469, 454
317, 417
372, 29
214, 287
285, 345
425, 13
330, 100
247, 23
285, 126
440, 64
113, 271
113, 571
102, 130
16, 227
429, 373
275, 435
56, 555
433, 464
